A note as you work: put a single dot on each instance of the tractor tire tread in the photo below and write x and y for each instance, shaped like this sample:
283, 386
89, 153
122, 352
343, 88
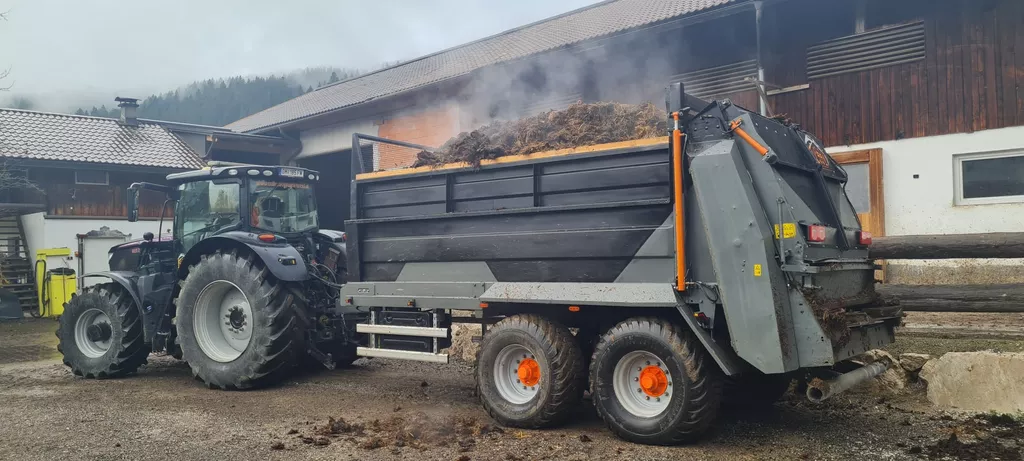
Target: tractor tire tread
566, 362
277, 349
705, 391
133, 351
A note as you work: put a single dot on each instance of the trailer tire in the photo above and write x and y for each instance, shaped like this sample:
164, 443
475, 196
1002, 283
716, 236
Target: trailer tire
266, 312
754, 391
121, 347
551, 364
647, 359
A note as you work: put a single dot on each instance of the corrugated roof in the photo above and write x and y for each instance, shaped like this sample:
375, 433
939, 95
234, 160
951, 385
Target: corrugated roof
76, 138
573, 27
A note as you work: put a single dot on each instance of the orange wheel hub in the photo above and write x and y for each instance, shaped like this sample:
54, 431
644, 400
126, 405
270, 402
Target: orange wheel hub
653, 381
529, 372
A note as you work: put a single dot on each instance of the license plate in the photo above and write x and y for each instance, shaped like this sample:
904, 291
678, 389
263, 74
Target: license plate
291, 173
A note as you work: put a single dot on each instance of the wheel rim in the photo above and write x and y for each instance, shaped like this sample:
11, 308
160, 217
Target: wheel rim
222, 321
517, 374
92, 333
642, 384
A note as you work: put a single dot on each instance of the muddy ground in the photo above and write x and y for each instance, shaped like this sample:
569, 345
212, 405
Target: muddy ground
403, 410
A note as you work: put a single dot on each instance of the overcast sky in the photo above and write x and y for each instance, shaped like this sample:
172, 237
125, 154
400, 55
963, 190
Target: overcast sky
59, 50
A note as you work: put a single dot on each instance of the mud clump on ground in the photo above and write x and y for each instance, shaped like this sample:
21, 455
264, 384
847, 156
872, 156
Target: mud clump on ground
416, 430
983, 437
578, 125
984, 449
338, 426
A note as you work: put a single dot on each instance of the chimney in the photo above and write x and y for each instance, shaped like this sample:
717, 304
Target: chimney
129, 108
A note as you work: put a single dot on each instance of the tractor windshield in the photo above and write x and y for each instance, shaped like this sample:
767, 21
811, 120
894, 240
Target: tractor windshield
285, 207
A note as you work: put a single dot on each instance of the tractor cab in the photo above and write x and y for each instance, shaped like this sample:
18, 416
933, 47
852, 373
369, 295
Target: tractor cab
267, 201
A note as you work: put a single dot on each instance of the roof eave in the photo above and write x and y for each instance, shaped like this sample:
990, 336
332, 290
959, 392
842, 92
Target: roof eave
733, 7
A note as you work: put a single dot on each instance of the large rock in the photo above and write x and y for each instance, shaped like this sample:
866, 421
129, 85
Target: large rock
913, 362
976, 381
893, 381
876, 355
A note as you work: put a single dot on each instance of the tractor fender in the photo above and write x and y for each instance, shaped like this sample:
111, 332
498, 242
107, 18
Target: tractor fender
281, 259
124, 278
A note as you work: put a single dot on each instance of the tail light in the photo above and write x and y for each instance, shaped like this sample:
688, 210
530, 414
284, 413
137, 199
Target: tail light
864, 238
815, 233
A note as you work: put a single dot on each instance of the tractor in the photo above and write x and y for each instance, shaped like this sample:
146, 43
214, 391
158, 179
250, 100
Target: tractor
245, 288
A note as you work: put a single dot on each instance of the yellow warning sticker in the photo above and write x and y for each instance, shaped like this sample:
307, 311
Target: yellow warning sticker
788, 230
757, 270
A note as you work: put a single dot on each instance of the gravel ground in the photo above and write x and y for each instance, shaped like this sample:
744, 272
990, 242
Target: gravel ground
404, 410
936, 333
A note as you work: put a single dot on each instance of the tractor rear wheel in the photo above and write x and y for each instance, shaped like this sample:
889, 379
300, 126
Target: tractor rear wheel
653, 383
529, 372
100, 333
237, 325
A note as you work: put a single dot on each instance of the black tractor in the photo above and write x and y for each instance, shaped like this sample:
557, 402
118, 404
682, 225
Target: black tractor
244, 289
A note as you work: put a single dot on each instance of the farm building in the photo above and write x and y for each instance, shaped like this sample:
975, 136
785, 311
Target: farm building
921, 100
66, 175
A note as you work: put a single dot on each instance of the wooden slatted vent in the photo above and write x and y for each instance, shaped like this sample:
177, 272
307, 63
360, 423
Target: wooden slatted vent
869, 50
719, 81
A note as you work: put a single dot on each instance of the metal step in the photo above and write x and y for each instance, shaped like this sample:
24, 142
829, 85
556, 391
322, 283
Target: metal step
403, 355
384, 324
402, 330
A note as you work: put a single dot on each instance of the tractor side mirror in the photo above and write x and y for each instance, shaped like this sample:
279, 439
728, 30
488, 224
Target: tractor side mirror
133, 204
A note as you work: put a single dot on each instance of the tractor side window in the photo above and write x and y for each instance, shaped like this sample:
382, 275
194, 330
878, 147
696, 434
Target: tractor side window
205, 209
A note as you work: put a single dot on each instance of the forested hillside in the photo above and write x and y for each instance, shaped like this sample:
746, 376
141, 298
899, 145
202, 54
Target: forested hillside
221, 101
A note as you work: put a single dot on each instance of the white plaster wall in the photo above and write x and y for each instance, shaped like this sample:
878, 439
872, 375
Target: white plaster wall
332, 138
54, 232
925, 205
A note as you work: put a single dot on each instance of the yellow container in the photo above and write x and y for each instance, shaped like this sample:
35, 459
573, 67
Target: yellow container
54, 286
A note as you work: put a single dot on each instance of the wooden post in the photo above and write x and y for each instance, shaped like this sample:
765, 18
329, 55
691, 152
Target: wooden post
957, 298
994, 245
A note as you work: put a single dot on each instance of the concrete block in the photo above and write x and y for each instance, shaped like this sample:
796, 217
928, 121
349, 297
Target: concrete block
976, 381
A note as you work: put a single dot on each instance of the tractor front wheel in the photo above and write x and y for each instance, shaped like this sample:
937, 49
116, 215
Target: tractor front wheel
238, 327
100, 333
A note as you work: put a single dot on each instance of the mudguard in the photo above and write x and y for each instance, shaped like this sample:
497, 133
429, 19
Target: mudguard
330, 235
281, 259
124, 278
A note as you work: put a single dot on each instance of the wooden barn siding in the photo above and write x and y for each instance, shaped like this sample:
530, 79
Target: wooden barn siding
65, 198
970, 80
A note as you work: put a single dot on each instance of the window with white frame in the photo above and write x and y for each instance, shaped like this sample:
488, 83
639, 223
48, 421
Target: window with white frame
995, 177
94, 177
